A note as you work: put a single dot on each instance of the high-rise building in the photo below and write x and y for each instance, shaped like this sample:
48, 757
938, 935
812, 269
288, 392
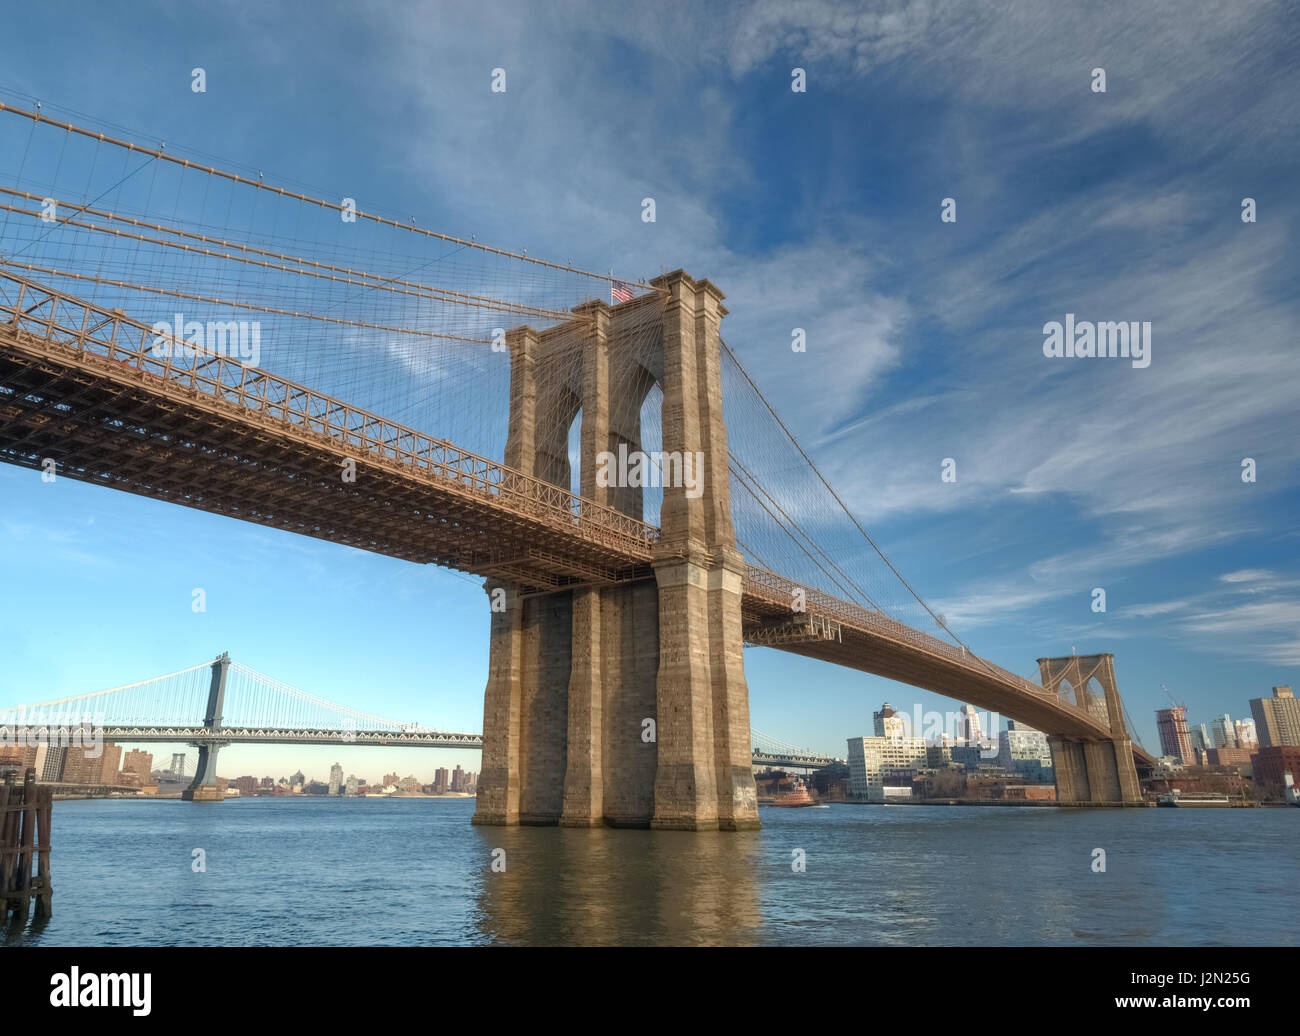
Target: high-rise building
110, 763
1223, 732
1277, 719
297, 780
1246, 736
441, 781
95, 765
458, 779
336, 778
391, 778
970, 725
350, 788
1201, 740
1175, 739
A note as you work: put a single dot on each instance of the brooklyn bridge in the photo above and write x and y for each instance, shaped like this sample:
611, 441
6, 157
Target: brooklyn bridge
442, 401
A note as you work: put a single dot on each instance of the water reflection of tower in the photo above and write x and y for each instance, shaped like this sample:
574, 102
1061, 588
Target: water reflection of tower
598, 886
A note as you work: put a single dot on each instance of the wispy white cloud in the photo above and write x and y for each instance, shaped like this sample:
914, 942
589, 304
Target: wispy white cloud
1247, 575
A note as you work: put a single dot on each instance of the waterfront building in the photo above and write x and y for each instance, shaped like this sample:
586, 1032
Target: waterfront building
95, 765
1270, 765
1201, 740
352, 786
875, 762
441, 781
458, 779
137, 761
970, 725
336, 778
247, 785
1175, 739
1277, 719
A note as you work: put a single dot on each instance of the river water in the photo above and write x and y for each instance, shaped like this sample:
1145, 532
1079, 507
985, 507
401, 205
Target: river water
416, 872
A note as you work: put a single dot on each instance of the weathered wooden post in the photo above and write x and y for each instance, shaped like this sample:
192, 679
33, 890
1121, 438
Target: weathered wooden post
27, 840
6, 864
44, 814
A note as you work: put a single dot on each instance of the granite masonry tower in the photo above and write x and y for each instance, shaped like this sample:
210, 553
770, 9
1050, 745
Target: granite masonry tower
624, 703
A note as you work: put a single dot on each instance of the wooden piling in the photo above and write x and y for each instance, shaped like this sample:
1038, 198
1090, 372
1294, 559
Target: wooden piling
44, 894
6, 864
26, 815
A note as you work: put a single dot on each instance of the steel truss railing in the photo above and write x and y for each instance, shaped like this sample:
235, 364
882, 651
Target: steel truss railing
779, 591
54, 317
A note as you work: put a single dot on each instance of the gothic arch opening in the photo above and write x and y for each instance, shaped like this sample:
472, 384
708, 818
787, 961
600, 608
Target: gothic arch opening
575, 454
1097, 701
652, 497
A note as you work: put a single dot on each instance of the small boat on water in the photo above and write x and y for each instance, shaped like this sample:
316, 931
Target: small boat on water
796, 796
1193, 799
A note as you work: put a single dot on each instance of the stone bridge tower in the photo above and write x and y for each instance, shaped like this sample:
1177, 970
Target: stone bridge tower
1100, 770
624, 704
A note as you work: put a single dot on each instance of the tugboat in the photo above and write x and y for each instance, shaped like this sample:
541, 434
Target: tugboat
796, 796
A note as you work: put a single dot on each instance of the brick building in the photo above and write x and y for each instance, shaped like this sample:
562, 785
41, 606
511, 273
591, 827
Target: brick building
1270, 764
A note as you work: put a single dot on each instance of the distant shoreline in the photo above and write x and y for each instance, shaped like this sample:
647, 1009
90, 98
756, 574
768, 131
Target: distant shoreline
236, 798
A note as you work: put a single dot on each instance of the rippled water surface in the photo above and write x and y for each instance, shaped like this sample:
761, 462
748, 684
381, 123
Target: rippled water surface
415, 872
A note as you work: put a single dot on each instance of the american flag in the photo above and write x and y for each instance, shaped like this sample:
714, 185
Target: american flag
621, 291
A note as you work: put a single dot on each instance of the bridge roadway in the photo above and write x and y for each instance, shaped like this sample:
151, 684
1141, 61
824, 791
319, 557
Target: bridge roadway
81, 384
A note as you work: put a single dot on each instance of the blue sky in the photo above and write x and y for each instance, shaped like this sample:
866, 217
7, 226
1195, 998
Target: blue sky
817, 210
